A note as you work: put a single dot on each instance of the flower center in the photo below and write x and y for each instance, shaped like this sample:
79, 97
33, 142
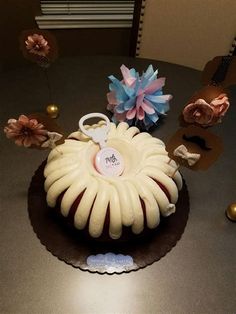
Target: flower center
26, 131
38, 47
197, 113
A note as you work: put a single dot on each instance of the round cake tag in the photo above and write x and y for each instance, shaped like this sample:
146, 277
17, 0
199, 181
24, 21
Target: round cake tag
109, 162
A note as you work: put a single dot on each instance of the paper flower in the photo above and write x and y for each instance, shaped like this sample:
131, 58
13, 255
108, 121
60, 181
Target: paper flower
25, 132
205, 114
137, 99
37, 45
199, 112
220, 105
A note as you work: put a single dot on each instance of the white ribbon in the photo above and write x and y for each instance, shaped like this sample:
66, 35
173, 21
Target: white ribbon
182, 152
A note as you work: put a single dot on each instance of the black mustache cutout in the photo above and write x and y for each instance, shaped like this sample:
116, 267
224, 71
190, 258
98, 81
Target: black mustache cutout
197, 140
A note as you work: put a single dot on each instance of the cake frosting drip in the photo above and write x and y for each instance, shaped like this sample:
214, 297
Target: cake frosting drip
70, 170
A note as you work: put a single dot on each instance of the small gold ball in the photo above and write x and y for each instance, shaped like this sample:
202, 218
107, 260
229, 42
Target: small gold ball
52, 111
231, 212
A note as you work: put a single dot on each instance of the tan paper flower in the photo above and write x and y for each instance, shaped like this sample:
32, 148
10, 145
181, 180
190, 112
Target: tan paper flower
38, 45
26, 132
199, 112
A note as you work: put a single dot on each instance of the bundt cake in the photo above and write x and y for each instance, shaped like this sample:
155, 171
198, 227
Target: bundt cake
147, 187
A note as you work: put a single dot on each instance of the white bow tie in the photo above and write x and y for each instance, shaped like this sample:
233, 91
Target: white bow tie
53, 137
182, 152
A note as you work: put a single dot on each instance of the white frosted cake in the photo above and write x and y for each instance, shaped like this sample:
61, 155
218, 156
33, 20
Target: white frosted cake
147, 188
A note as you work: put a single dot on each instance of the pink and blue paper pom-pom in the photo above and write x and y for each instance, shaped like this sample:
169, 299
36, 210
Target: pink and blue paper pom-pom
137, 100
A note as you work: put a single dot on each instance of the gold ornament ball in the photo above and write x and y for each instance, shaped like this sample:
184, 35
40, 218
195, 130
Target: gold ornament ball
231, 212
52, 111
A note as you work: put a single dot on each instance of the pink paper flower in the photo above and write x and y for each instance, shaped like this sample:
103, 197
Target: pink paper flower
25, 131
37, 45
205, 114
199, 112
220, 105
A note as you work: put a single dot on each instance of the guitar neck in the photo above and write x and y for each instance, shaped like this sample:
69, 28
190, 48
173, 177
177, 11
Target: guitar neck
221, 71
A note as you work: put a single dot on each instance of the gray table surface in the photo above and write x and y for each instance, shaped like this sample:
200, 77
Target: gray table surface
196, 276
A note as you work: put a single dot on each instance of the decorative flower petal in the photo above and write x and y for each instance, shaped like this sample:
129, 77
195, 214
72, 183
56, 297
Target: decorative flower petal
129, 104
150, 72
155, 85
140, 113
147, 107
140, 91
127, 76
220, 105
112, 101
27, 141
139, 100
161, 108
120, 117
129, 91
23, 119
153, 117
19, 141
158, 99
120, 108
11, 121
131, 113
